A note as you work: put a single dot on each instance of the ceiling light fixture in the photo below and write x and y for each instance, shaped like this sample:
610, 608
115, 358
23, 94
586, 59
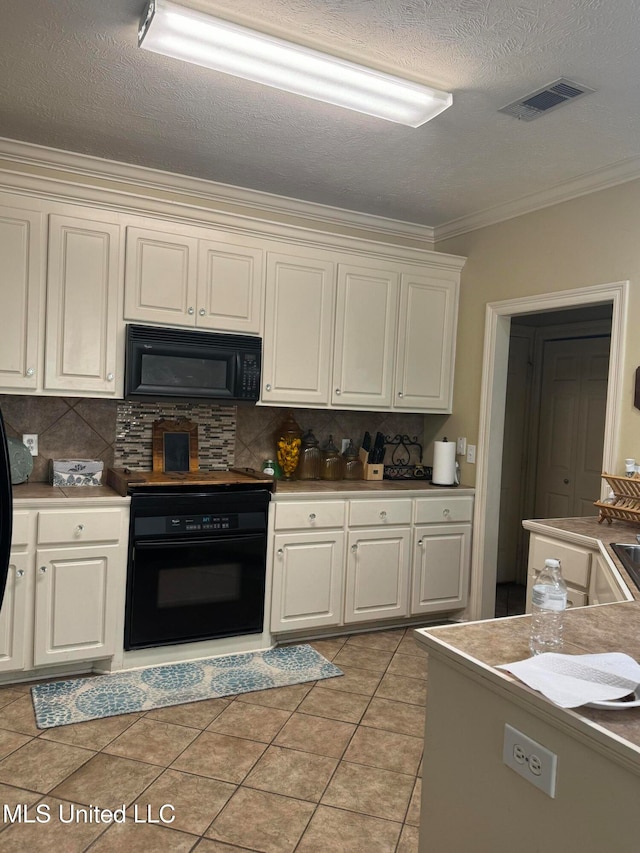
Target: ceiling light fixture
192, 36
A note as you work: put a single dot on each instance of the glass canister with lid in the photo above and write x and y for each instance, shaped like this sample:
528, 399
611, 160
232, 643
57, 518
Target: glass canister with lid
288, 441
331, 467
310, 458
352, 465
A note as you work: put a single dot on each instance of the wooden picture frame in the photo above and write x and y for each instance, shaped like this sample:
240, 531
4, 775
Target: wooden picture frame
175, 445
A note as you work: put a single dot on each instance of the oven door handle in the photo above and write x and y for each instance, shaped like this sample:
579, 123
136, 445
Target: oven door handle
180, 543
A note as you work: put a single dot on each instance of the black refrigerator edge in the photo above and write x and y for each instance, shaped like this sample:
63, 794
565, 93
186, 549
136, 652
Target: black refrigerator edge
6, 509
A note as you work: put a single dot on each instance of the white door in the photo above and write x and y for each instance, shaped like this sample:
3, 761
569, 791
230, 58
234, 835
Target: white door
83, 306
298, 333
308, 580
441, 560
426, 344
13, 615
572, 418
75, 604
229, 289
366, 326
160, 276
22, 252
377, 574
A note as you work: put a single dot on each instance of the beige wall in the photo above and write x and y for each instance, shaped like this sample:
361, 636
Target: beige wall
591, 240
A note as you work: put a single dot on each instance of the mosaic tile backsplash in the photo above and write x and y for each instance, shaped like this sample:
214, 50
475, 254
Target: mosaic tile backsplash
119, 432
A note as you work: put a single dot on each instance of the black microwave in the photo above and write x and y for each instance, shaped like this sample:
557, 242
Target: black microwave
187, 365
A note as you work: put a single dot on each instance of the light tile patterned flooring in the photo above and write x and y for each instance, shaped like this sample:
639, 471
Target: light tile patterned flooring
327, 767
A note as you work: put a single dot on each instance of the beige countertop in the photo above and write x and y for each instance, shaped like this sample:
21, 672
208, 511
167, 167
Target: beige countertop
589, 531
38, 494
341, 487
479, 647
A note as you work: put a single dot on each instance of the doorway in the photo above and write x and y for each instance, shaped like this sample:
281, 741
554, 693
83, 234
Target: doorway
499, 317
555, 413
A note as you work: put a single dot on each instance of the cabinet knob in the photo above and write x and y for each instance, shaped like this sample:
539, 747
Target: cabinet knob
400, 394
79, 528
201, 312
43, 570
268, 387
19, 573
279, 552
354, 548
30, 371
312, 516
189, 310
420, 543
383, 514
446, 512
337, 392
566, 481
110, 377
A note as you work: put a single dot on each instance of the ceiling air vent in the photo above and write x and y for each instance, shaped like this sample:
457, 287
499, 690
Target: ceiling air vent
546, 99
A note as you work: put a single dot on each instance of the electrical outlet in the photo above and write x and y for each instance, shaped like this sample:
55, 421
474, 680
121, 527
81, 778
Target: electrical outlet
461, 446
345, 444
31, 441
471, 453
531, 760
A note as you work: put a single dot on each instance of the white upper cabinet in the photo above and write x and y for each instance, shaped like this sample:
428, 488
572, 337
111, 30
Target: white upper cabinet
83, 306
298, 336
366, 328
426, 343
22, 234
180, 276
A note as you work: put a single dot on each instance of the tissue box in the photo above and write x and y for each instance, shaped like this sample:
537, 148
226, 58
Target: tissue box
76, 472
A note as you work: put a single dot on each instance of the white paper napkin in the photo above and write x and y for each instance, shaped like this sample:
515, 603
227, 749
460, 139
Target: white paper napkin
574, 680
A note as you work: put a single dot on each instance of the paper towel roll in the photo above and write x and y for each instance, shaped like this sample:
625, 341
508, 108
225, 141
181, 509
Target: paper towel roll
444, 463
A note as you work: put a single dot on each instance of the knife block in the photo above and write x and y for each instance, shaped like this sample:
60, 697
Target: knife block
370, 472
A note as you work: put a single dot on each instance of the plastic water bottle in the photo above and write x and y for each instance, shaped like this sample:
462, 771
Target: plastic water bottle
549, 603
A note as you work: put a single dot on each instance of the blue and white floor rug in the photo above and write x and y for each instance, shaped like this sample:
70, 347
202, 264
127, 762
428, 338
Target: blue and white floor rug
59, 703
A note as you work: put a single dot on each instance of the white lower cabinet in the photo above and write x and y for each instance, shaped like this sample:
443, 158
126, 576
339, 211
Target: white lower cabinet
345, 562
441, 558
308, 580
378, 564
64, 600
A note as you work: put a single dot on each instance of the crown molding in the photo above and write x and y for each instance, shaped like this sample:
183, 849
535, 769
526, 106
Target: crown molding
260, 205
602, 179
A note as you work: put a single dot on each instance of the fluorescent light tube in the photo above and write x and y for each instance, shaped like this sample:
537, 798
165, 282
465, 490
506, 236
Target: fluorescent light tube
192, 36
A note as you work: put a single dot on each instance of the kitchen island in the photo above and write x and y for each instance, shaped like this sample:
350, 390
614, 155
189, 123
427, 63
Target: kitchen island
471, 800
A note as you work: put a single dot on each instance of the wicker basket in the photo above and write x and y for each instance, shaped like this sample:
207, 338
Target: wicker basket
626, 503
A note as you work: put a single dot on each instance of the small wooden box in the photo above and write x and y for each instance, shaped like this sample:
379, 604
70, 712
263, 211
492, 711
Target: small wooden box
370, 472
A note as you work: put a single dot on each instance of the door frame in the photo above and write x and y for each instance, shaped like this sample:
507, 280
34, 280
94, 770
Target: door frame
495, 360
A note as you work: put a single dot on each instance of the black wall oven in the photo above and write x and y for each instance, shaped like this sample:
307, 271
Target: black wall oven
197, 566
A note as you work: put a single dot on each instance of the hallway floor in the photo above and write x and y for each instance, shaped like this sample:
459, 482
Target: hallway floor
331, 766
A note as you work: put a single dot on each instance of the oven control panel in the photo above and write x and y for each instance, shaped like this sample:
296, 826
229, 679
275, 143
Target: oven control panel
201, 523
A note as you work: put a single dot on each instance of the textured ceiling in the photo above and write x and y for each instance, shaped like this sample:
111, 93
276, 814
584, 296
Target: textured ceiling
73, 78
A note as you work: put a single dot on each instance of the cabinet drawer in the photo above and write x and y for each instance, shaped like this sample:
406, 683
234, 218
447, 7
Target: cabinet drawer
366, 513
440, 509
79, 526
576, 598
20, 532
574, 560
309, 515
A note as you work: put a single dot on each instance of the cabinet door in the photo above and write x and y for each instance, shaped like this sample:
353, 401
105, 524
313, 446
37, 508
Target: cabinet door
83, 306
377, 574
13, 615
229, 289
160, 276
298, 333
308, 580
366, 321
604, 587
441, 561
426, 344
75, 603
22, 253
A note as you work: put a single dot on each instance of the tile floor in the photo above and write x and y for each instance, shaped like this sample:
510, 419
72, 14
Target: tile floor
327, 767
